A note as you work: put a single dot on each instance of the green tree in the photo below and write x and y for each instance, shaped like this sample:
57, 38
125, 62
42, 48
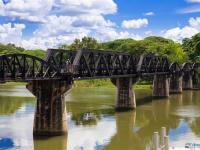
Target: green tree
65, 46
84, 43
114, 45
76, 44
152, 44
133, 47
192, 47
88, 42
166, 47
10, 48
38, 53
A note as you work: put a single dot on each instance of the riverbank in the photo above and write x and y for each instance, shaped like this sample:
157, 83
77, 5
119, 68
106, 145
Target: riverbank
97, 83
13, 83
106, 83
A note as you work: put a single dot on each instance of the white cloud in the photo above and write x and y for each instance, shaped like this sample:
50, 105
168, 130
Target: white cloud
68, 25
61, 21
192, 9
25, 9
51, 41
149, 33
38, 10
107, 34
178, 34
80, 6
135, 23
193, 1
48, 42
64, 29
195, 22
150, 13
11, 33
91, 20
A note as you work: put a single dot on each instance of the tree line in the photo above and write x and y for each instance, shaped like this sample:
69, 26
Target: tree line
11, 48
188, 51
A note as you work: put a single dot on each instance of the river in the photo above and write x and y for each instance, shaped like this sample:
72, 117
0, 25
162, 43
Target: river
94, 125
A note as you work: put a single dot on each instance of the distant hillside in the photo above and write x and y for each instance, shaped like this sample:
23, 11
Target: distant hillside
11, 48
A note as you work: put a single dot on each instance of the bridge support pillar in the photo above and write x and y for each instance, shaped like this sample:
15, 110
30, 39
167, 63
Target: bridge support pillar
175, 85
125, 94
50, 113
160, 86
187, 82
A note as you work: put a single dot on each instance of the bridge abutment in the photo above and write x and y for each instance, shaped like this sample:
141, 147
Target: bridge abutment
175, 85
187, 82
160, 86
50, 112
125, 94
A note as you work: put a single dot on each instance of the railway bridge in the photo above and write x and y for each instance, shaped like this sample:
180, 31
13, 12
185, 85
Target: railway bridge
51, 78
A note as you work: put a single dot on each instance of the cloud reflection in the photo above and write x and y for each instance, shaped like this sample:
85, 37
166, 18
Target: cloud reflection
18, 128
92, 137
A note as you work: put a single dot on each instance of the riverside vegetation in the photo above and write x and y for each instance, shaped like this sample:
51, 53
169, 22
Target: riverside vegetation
188, 51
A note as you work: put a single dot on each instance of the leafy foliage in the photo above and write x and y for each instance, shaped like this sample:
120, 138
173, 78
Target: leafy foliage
153, 44
38, 53
165, 47
10, 48
85, 42
192, 47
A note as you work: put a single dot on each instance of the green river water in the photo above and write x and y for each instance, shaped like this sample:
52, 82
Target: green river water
94, 125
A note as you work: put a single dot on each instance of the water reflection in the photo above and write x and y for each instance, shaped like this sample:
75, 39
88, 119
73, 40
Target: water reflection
9, 105
93, 123
53, 143
6, 143
125, 138
89, 137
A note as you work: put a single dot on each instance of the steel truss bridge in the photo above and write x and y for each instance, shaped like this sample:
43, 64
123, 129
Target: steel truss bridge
87, 64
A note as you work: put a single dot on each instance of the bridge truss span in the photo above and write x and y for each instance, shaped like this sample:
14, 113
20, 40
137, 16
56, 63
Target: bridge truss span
90, 64
152, 64
23, 67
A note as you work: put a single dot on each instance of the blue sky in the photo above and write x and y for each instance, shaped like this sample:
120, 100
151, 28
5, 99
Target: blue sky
167, 13
50, 23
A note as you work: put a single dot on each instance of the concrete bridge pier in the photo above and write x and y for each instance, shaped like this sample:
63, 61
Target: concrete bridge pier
125, 93
160, 86
175, 84
187, 82
50, 113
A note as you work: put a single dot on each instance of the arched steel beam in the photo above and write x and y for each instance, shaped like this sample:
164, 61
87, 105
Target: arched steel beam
23, 67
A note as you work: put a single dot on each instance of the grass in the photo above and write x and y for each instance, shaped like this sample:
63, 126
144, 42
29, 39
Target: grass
13, 83
106, 83
142, 86
98, 83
